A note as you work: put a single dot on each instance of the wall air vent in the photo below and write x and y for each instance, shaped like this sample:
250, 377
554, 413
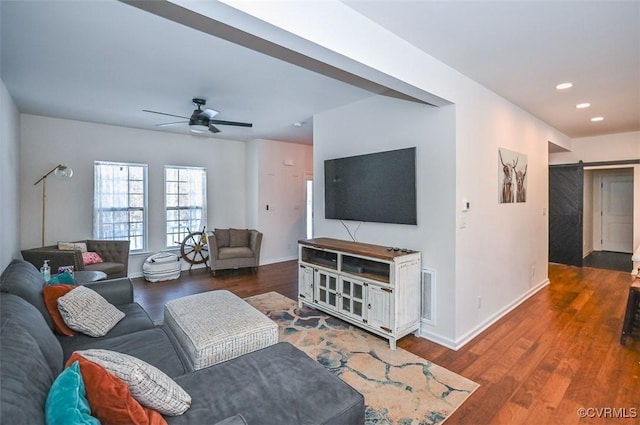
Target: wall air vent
427, 306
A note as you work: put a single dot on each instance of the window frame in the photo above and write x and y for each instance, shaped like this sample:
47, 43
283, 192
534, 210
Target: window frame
182, 232
99, 231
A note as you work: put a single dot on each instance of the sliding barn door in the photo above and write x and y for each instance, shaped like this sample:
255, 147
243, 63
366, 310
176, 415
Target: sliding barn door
565, 214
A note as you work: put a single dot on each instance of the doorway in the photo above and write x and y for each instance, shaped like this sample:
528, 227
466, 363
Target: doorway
608, 229
591, 212
616, 212
309, 207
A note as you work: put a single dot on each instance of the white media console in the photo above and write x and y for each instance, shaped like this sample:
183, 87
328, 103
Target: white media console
374, 287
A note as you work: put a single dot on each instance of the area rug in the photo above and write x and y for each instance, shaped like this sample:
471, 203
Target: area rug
399, 388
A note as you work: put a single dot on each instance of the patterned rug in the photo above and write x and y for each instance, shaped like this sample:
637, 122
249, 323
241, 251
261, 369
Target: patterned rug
399, 388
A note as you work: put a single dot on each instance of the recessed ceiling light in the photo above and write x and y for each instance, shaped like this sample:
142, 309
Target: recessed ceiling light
299, 123
595, 119
583, 105
564, 86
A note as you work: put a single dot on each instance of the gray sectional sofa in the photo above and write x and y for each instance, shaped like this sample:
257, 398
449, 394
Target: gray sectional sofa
278, 385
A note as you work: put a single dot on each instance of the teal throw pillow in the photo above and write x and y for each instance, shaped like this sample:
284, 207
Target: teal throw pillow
62, 278
67, 400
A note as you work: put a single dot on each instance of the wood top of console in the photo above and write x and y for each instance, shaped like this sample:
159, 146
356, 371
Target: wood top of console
358, 248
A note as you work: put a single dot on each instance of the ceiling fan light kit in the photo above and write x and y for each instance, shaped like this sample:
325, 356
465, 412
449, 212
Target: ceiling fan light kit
201, 119
198, 128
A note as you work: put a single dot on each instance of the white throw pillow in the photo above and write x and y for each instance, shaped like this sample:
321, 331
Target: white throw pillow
148, 385
86, 311
70, 246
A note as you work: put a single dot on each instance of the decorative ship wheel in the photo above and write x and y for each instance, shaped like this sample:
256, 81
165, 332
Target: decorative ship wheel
194, 248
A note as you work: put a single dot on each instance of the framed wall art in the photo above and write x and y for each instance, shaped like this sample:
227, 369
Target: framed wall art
512, 176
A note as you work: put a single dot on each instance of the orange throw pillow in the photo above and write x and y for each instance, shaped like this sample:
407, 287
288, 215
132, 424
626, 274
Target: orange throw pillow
110, 399
51, 293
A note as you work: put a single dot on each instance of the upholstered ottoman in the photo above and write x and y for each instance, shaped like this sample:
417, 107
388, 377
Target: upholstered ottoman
217, 326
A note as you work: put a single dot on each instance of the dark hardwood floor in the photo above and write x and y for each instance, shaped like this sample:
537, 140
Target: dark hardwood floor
557, 353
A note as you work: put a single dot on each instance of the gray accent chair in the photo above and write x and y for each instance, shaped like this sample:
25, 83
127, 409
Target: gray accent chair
234, 249
114, 253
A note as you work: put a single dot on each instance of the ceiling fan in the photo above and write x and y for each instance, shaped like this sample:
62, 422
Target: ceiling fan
201, 120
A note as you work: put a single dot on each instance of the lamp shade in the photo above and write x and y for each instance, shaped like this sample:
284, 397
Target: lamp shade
63, 172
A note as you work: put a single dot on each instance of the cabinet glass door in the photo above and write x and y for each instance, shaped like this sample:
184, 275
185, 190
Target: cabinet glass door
352, 298
327, 288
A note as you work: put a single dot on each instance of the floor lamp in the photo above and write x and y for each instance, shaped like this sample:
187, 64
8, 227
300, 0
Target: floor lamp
60, 171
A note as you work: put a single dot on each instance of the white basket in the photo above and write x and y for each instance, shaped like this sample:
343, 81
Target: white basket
161, 266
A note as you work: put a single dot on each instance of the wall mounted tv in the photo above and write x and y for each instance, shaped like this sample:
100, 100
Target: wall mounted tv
378, 187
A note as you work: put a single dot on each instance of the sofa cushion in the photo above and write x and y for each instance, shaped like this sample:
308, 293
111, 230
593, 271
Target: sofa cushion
233, 420
153, 346
117, 291
264, 383
238, 252
16, 309
51, 293
25, 377
238, 237
110, 399
107, 267
135, 319
67, 402
148, 385
23, 279
86, 311
222, 237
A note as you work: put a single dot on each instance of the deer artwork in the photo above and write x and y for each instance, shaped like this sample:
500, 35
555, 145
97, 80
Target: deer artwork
507, 183
521, 194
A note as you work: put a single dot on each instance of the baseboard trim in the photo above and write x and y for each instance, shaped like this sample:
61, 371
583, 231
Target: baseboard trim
466, 338
277, 260
185, 265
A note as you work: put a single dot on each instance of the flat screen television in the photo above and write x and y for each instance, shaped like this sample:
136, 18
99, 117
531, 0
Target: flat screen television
377, 187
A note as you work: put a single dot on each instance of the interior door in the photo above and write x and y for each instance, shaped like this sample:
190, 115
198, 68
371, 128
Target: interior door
565, 214
617, 213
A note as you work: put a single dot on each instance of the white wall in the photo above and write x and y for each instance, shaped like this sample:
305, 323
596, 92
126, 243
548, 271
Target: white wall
612, 147
278, 170
500, 256
502, 253
45, 142
9, 177
378, 124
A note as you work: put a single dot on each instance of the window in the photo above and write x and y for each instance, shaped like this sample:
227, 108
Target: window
120, 203
185, 194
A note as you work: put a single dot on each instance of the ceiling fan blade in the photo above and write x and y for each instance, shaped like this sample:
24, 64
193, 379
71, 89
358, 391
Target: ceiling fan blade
164, 113
213, 128
238, 124
166, 124
208, 113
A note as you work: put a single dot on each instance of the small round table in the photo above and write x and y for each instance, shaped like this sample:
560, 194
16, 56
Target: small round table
85, 276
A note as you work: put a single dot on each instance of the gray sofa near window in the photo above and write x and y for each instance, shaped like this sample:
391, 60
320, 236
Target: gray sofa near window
278, 385
234, 249
114, 253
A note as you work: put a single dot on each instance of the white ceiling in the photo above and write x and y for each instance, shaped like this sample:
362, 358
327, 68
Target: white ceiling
106, 61
522, 49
